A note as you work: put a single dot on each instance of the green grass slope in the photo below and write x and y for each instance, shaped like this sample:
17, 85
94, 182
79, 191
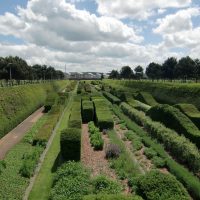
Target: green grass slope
17, 103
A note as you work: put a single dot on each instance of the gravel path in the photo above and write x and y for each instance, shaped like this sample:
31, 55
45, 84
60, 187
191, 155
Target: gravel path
16, 135
95, 160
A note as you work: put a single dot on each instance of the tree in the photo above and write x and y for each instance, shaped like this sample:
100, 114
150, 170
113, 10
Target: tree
197, 69
138, 72
153, 71
185, 68
126, 72
168, 68
114, 74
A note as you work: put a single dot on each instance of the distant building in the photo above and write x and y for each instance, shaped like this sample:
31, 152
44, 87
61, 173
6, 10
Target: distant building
84, 76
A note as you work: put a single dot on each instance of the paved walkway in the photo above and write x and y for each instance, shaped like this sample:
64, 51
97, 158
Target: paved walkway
15, 136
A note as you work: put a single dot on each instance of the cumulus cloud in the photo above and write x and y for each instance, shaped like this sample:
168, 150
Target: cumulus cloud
137, 9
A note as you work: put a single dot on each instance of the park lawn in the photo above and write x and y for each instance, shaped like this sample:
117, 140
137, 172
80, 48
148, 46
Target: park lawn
42, 186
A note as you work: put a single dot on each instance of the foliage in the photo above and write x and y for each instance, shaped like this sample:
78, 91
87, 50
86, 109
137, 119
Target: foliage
112, 151
111, 197
70, 142
114, 74
149, 153
181, 148
153, 71
2, 165
104, 185
95, 137
126, 72
50, 100
173, 118
72, 182
146, 98
190, 111
182, 174
138, 105
158, 186
113, 99
159, 162
87, 111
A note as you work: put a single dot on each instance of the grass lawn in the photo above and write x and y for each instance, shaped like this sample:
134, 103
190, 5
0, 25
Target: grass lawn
42, 186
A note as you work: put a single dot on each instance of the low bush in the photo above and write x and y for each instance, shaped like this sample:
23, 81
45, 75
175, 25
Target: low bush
139, 105
146, 98
70, 143
2, 165
72, 182
111, 98
150, 153
30, 161
95, 137
175, 119
104, 185
181, 148
111, 197
156, 185
159, 162
190, 111
112, 151
87, 111
182, 174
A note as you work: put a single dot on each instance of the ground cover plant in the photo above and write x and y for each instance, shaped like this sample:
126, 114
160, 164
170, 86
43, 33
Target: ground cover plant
191, 111
19, 102
175, 119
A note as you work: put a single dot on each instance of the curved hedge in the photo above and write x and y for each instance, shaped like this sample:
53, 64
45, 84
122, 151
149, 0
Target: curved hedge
180, 147
17, 103
191, 111
146, 98
175, 119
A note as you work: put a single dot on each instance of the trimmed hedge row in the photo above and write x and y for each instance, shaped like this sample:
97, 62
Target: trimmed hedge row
111, 98
180, 147
75, 120
50, 101
87, 111
190, 111
95, 137
104, 118
175, 119
19, 102
139, 105
182, 174
70, 143
146, 98
111, 197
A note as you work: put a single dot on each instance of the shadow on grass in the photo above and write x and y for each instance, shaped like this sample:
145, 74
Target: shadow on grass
58, 162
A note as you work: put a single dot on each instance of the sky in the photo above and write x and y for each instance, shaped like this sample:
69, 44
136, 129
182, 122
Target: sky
99, 35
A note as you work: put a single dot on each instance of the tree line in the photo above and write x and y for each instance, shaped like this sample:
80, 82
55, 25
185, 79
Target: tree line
171, 69
18, 69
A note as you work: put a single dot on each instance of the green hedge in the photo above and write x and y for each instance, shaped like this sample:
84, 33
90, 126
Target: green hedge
70, 143
146, 98
157, 185
50, 100
111, 98
87, 111
191, 111
180, 147
182, 174
175, 119
138, 105
111, 197
19, 102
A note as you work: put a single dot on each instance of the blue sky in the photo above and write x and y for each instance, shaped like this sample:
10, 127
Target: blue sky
99, 35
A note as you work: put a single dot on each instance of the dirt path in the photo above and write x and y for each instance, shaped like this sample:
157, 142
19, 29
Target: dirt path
15, 136
94, 160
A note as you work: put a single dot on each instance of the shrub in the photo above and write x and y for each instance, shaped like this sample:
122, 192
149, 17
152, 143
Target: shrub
146, 98
173, 118
113, 99
190, 111
87, 111
139, 105
106, 186
156, 185
72, 182
159, 162
181, 148
70, 143
2, 165
149, 153
112, 151
30, 161
111, 197
95, 137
